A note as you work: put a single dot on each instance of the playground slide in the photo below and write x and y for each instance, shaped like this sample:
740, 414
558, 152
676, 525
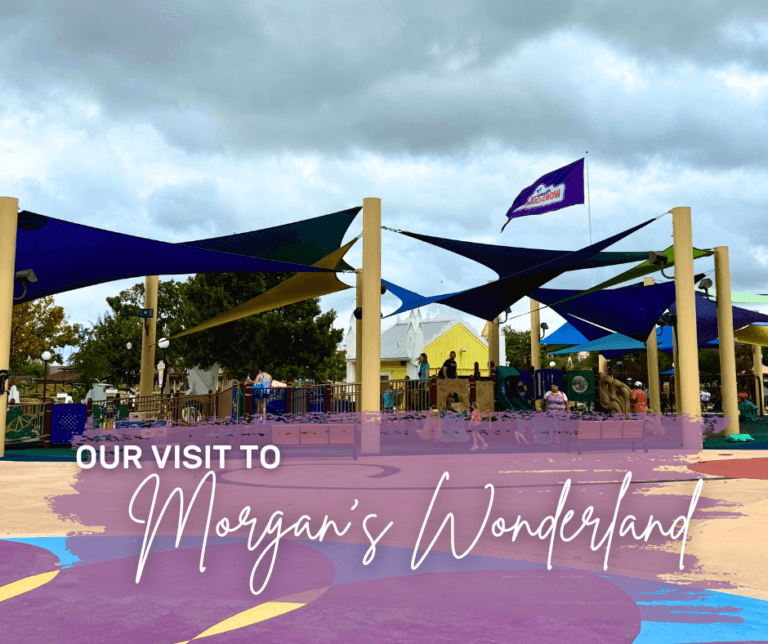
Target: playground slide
507, 395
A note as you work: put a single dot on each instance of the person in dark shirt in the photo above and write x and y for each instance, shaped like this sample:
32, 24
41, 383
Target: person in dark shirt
449, 367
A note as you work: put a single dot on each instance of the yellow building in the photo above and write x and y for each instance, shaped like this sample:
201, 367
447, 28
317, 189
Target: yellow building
403, 342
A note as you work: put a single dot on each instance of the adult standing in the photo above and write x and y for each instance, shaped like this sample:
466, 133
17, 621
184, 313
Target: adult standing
423, 382
423, 367
557, 406
449, 367
556, 400
639, 399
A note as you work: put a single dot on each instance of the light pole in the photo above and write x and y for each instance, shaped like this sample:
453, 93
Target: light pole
46, 358
163, 343
128, 346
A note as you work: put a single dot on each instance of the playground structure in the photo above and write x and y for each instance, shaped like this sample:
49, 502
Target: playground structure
371, 401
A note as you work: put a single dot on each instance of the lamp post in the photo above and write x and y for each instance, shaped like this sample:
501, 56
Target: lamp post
128, 346
163, 344
46, 358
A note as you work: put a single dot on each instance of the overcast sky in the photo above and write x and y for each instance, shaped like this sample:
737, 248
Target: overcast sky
199, 119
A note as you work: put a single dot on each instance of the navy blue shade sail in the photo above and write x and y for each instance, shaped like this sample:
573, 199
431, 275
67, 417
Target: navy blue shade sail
706, 318
302, 242
632, 311
588, 330
490, 300
67, 256
508, 260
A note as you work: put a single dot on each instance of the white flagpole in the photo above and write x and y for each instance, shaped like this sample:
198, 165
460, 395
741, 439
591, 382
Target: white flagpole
589, 212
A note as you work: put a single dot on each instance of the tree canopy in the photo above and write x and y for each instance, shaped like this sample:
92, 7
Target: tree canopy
518, 344
103, 352
38, 326
291, 342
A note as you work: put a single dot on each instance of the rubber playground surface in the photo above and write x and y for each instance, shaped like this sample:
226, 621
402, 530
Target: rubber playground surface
70, 576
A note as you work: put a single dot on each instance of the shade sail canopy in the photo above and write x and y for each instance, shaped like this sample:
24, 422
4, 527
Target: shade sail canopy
298, 288
753, 334
67, 256
566, 335
490, 300
302, 242
646, 268
632, 311
613, 342
508, 260
706, 318
588, 330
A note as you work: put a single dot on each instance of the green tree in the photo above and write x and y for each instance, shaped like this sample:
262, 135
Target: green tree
295, 341
38, 326
291, 342
103, 352
518, 344
333, 368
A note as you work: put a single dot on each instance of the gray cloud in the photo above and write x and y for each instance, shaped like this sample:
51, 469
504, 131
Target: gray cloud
196, 207
215, 118
405, 77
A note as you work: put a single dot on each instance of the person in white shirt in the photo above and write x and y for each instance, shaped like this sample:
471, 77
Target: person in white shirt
13, 395
68, 400
556, 400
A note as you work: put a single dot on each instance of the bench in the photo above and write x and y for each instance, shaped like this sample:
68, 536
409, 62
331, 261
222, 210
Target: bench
314, 434
608, 431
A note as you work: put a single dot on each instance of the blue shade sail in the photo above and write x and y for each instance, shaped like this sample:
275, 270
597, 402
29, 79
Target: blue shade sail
490, 300
588, 330
302, 242
566, 335
66, 256
508, 260
706, 318
632, 311
612, 342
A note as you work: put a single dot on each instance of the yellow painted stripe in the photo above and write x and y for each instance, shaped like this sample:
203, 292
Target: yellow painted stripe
254, 615
25, 585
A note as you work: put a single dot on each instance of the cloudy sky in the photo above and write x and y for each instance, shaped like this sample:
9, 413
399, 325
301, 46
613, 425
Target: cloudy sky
208, 118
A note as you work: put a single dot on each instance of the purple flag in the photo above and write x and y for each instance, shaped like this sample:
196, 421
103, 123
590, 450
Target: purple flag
558, 189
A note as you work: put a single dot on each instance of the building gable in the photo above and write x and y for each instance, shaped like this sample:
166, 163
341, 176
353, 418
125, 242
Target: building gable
454, 339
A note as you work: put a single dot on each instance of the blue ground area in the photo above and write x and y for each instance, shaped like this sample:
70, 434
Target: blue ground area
662, 612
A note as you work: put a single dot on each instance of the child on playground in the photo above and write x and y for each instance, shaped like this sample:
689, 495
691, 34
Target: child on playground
474, 428
262, 383
432, 430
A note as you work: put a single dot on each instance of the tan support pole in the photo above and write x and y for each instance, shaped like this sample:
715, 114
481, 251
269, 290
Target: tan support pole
728, 387
9, 217
651, 348
493, 341
757, 369
148, 337
602, 364
371, 351
358, 326
676, 372
535, 347
687, 365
